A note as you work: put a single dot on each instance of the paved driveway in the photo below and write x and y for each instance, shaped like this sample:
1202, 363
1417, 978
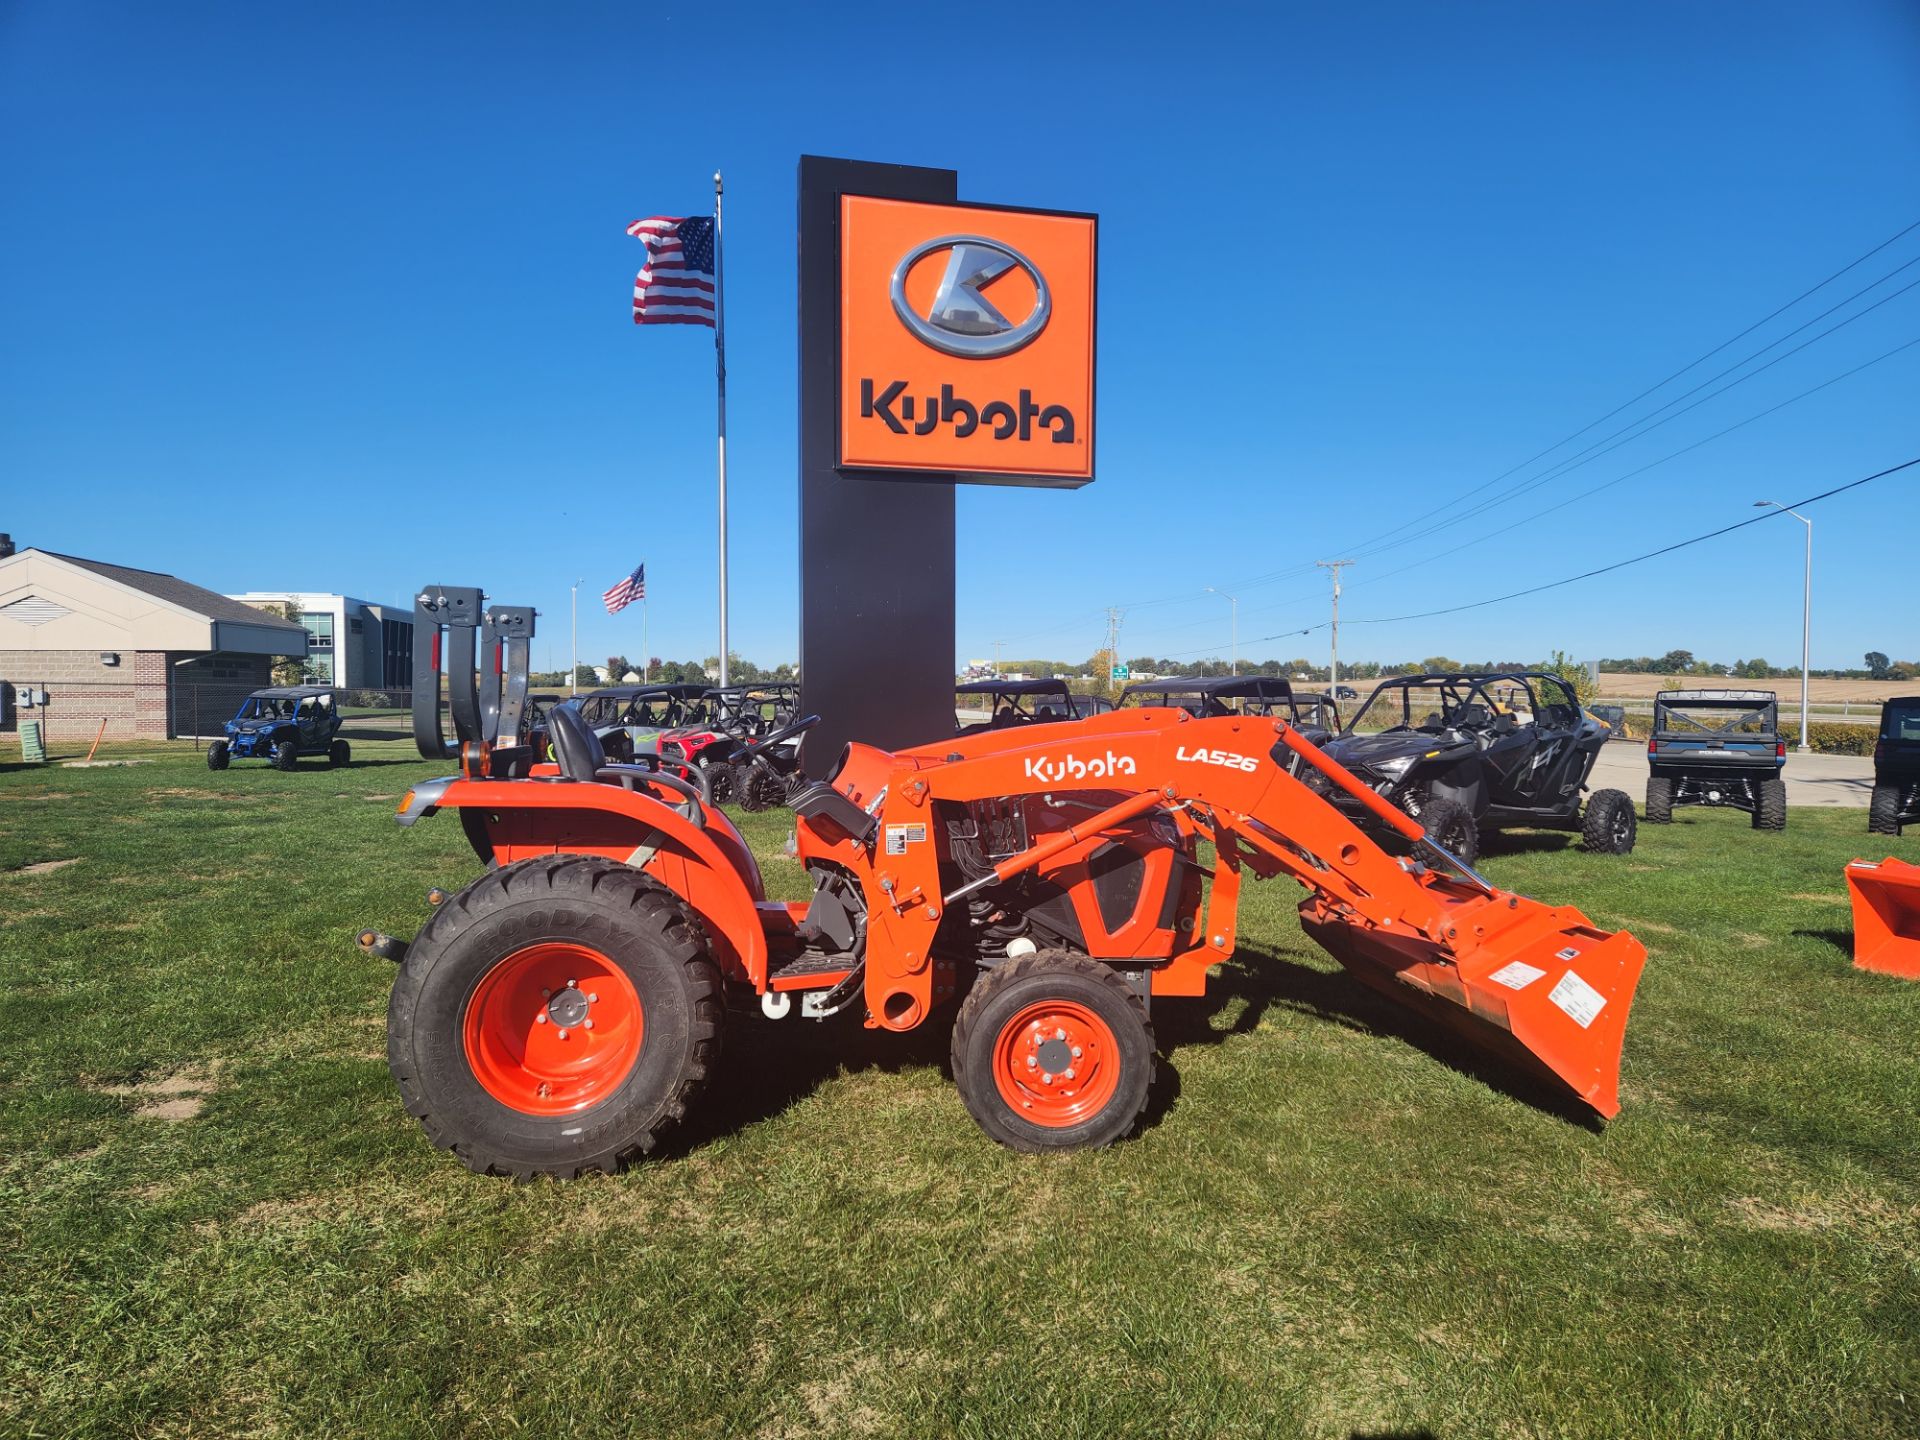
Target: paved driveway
1811, 779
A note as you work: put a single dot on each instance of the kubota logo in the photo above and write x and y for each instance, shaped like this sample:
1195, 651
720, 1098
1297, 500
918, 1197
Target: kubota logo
961, 321
1225, 758
924, 412
1071, 767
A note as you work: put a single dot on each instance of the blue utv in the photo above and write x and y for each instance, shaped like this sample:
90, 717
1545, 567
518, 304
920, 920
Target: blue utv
282, 724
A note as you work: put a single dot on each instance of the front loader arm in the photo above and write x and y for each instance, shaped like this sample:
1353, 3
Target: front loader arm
1538, 984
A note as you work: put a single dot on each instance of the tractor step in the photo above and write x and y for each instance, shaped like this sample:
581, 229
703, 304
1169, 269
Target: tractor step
812, 970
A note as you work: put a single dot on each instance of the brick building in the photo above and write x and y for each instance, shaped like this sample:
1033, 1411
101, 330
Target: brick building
152, 655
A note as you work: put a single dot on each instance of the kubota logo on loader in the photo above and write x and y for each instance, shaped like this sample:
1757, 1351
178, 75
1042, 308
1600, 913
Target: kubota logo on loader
1052, 771
1226, 758
966, 341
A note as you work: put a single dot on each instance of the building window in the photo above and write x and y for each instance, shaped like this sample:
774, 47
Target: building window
319, 626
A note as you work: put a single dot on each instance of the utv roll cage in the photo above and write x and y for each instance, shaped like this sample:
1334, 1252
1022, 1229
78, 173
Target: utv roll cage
1027, 702
1202, 696
1470, 698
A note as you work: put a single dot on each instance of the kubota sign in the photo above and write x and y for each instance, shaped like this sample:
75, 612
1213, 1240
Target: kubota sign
966, 341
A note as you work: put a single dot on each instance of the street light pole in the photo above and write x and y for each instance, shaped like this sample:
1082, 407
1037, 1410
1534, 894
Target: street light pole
1806, 621
573, 671
1234, 602
1333, 682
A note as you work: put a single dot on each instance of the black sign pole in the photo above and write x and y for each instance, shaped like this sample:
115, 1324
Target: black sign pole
876, 551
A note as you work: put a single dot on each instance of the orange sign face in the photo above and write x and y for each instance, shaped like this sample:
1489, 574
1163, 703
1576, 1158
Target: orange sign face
966, 341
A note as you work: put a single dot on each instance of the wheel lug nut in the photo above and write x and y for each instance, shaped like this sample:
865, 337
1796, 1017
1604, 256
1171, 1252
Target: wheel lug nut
572, 983
1031, 1062
593, 998
1045, 1078
1067, 1074
1059, 1034
1076, 1052
563, 1034
546, 994
586, 1024
541, 1018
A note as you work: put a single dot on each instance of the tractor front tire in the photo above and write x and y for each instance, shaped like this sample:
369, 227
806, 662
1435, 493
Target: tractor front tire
1659, 800
286, 755
1883, 811
1053, 1052
554, 1018
1609, 827
1451, 825
339, 753
218, 756
1770, 813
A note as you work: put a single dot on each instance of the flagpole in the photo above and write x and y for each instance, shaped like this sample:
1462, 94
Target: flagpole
720, 368
646, 650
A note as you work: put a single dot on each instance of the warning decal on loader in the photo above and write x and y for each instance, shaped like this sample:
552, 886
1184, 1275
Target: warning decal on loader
1516, 976
1580, 1000
901, 836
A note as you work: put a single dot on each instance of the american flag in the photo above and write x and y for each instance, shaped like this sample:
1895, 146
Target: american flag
633, 588
675, 287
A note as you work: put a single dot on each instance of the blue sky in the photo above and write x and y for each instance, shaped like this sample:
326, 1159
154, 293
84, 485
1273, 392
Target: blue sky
335, 297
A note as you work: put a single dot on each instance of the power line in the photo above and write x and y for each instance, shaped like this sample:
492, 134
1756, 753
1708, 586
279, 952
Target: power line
1659, 385
1637, 559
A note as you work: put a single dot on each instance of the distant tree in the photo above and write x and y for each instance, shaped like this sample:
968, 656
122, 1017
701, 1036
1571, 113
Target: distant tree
1577, 676
288, 669
1755, 669
1877, 665
1435, 663
1676, 662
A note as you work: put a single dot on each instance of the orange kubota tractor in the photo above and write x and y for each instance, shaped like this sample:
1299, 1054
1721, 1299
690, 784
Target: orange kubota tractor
1039, 890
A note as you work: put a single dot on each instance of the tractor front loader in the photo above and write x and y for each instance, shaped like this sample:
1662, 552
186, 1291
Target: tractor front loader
1039, 890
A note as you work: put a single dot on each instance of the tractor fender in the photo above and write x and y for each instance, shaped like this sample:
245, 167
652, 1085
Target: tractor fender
709, 868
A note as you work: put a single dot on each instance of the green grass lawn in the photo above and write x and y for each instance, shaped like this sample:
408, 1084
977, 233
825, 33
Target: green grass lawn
215, 1218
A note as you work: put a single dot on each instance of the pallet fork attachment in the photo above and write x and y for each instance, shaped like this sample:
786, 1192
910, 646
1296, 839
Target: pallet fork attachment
484, 651
1886, 916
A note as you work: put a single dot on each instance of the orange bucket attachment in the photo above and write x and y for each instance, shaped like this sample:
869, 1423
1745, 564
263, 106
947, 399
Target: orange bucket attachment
1886, 916
1535, 985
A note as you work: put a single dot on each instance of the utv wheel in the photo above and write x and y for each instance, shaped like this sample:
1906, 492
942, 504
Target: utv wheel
218, 757
758, 787
1883, 811
1659, 800
339, 753
1609, 827
1053, 1052
1771, 811
720, 776
554, 1018
286, 755
1450, 825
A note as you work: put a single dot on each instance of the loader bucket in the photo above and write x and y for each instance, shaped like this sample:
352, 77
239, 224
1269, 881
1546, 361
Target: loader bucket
1532, 984
1886, 916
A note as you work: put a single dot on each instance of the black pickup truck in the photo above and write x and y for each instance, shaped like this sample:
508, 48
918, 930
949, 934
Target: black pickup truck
1896, 768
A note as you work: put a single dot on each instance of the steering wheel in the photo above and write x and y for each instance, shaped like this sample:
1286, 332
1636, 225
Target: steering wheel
785, 732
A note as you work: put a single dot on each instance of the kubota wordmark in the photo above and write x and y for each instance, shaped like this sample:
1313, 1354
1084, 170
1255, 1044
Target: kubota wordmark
1041, 886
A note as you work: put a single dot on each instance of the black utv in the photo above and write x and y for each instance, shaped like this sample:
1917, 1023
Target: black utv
1316, 717
1717, 747
1896, 768
1467, 752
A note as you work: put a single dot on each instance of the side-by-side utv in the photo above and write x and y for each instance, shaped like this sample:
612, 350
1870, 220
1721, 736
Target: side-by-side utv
1038, 892
1717, 747
281, 724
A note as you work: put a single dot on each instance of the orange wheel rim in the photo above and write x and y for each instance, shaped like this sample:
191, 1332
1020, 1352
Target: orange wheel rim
553, 1028
1056, 1063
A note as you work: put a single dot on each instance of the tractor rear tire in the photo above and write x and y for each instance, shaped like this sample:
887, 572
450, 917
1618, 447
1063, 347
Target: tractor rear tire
1770, 813
286, 755
1883, 811
218, 756
1609, 827
1659, 800
1084, 1031
339, 753
1451, 825
512, 1093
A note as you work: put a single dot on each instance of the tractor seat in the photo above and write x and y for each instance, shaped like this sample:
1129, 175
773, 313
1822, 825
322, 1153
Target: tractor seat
582, 757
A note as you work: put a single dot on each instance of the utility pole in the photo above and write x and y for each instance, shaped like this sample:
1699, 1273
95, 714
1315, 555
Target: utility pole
996, 655
1113, 643
1333, 684
573, 674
